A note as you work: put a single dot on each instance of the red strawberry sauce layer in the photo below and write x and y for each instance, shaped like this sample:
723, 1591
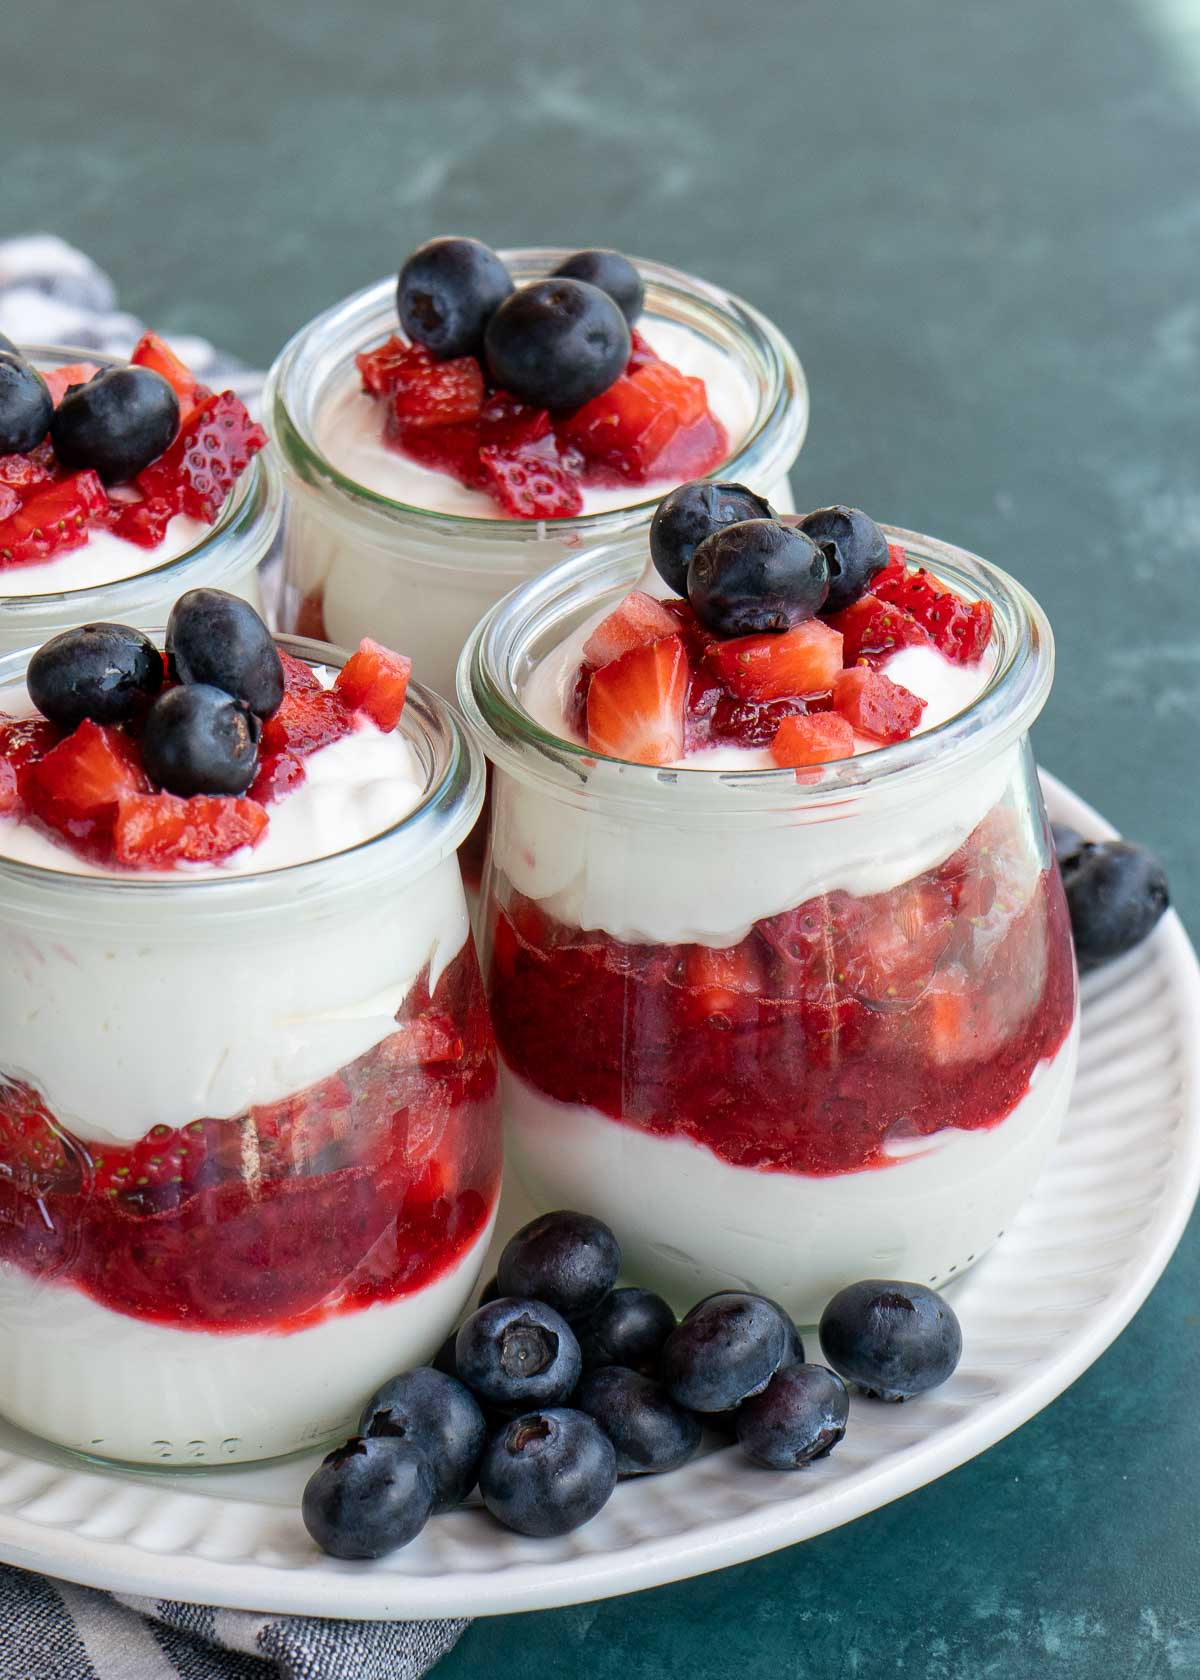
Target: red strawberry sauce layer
827, 1032
365, 1187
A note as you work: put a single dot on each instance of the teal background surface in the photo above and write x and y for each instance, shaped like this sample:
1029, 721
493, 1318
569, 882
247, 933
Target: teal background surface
980, 225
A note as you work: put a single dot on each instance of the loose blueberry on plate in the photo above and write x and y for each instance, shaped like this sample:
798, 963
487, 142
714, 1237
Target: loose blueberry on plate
196, 739
548, 1472
628, 1328
439, 1415
217, 638
685, 517
648, 1430
26, 407
794, 1352
892, 1340
369, 1497
557, 343
854, 547
569, 1260
447, 292
1116, 894
518, 1353
757, 577
106, 672
800, 1416
117, 423
612, 273
728, 1348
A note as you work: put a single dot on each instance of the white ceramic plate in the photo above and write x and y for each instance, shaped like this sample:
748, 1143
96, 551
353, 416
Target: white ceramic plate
1065, 1279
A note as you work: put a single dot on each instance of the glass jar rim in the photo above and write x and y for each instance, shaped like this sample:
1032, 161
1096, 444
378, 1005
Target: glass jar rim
497, 659
250, 517
330, 339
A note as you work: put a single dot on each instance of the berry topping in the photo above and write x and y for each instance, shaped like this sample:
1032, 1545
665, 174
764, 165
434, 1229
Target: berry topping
960, 629
213, 450
691, 513
440, 1416
892, 1340
652, 423
548, 1472
649, 1432
118, 423
158, 830
196, 739
1116, 894
106, 672
757, 577
818, 739
806, 660
26, 406
875, 705
855, 548
369, 1497
639, 619
557, 343
635, 705
217, 638
374, 680
569, 1260
530, 482
518, 1353
800, 1416
447, 292
151, 352
54, 519
628, 1328
423, 392
612, 273
728, 1348
77, 785
873, 630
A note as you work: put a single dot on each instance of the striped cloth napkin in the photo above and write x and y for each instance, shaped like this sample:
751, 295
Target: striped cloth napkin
52, 294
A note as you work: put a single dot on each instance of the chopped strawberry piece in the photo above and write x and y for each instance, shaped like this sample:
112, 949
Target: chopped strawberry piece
10, 501
576, 708
278, 775
374, 681
10, 798
53, 520
59, 380
724, 981
144, 522
24, 739
383, 368
875, 705
635, 705
213, 450
959, 628
453, 450
625, 429
805, 660
531, 483
24, 473
150, 351
298, 678
423, 392
77, 786
872, 631
156, 830
307, 720
641, 352
507, 423
639, 619
817, 739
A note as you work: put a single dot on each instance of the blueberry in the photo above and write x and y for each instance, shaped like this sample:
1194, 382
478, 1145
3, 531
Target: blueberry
106, 672
1116, 894
727, 1349
611, 273
217, 638
892, 1340
548, 1472
794, 1350
1068, 842
447, 292
799, 1416
557, 343
629, 1327
517, 1354
26, 407
854, 547
694, 511
649, 1431
439, 1415
755, 577
117, 423
569, 1260
368, 1497
196, 739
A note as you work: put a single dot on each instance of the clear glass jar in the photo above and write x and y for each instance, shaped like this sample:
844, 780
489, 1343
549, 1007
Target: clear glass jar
780, 1034
227, 557
357, 563
249, 1133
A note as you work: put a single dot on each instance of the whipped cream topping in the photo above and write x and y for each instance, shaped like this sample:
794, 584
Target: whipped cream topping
104, 558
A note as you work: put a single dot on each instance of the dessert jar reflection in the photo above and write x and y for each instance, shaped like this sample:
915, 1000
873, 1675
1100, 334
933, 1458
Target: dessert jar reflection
781, 1030
358, 562
249, 1135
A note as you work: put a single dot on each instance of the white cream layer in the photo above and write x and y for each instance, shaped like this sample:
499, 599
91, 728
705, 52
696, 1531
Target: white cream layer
104, 558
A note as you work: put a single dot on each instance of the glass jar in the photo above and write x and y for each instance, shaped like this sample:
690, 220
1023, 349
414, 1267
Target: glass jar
249, 1133
227, 557
357, 563
780, 1033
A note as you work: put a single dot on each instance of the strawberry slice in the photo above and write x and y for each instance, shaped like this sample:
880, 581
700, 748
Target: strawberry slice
639, 619
631, 430
213, 450
150, 351
78, 785
60, 379
307, 720
374, 681
143, 522
959, 628
530, 482
383, 368
873, 630
156, 830
54, 519
802, 661
439, 393
818, 738
24, 473
875, 705
635, 705
10, 501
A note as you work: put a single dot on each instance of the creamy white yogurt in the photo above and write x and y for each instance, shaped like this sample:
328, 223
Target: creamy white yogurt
104, 558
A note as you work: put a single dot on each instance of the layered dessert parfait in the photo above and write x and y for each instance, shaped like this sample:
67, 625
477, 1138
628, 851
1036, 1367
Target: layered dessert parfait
779, 963
446, 434
121, 485
249, 1142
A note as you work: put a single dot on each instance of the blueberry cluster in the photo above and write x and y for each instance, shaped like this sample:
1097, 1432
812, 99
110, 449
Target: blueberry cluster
200, 736
747, 573
1116, 894
555, 343
559, 1383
